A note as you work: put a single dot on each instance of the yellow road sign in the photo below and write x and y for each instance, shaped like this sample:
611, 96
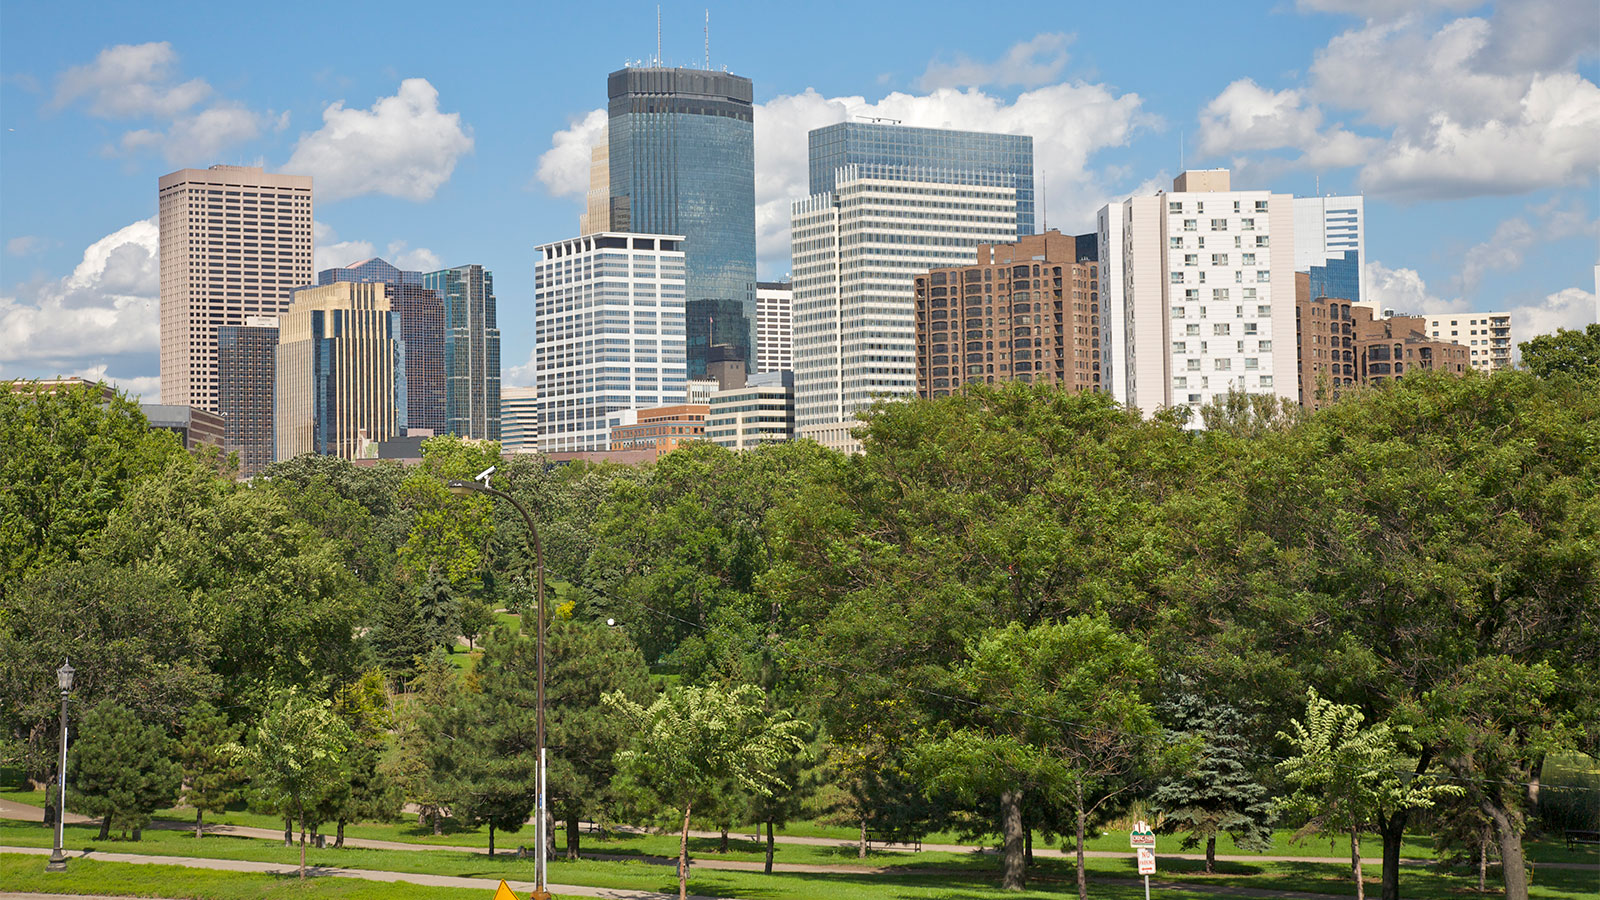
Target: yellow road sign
504, 892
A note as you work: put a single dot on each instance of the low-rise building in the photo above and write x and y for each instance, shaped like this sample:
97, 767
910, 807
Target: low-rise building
195, 427
761, 412
1390, 347
661, 429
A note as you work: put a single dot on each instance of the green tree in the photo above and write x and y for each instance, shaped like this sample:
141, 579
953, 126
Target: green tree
120, 770
1344, 777
296, 756
67, 460
439, 611
1057, 710
1569, 352
690, 738
211, 774
800, 778
499, 769
1212, 791
371, 795
431, 728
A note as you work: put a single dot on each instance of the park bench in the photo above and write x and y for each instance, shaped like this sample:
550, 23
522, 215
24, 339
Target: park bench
885, 837
1576, 836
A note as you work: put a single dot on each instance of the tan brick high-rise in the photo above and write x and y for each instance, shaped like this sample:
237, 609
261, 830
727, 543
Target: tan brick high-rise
235, 240
1028, 311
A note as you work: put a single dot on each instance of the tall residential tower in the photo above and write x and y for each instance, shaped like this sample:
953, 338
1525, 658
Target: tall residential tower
235, 240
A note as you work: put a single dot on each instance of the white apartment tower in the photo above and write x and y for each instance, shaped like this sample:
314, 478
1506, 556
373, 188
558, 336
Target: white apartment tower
608, 333
235, 240
1487, 334
774, 326
855, 251
1204, 277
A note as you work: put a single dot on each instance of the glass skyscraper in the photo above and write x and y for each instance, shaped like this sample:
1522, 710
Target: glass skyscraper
1340, 277
928, 154
471, 351
682, 162
422, 329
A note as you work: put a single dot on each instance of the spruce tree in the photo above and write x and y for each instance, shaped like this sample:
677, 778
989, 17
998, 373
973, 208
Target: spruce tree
120, 770
1215, 792
211, 774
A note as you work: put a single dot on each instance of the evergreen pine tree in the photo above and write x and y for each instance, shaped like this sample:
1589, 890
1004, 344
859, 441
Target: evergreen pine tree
1215, 792
211, 776
120, 770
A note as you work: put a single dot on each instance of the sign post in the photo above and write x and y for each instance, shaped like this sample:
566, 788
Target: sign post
1143, 841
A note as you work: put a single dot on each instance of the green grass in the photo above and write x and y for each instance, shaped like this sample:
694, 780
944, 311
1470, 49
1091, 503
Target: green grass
20, 872
926, 875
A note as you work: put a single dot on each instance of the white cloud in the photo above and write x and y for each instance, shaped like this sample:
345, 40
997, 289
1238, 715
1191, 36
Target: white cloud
1512, 238
419, 260
403, 146
1404, 291
131, 81
141, 388
523, 374
564, 168
327, 252
108, 306
1461, 109
138, 81
1069, 123
1572, 308
23, 244
1383, 9
1038, 60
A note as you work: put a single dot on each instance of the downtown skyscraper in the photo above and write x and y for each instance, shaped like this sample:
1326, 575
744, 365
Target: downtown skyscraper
858, 243
235, 241
422, 329
680, 160
341, 371
471, 351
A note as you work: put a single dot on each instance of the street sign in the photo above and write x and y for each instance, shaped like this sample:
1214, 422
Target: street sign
1147, 862
504, 892
1142, 836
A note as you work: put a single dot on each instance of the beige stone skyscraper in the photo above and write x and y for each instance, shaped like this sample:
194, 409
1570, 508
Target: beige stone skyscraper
235, 240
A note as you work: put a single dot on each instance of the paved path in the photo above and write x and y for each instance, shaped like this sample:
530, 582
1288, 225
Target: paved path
240, 865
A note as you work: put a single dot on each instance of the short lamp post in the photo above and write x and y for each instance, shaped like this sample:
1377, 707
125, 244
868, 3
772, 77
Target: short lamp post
541, 835
58, 858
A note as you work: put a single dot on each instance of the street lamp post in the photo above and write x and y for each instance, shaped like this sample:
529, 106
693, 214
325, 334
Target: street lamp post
58, 858
468, 488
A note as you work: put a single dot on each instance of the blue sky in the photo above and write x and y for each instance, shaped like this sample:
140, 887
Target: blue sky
460, 135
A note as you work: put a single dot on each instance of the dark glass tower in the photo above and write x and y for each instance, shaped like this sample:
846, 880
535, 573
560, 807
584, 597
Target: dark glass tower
471, 351
246, 361
682, 145
936, 154
1338, 278
422, 328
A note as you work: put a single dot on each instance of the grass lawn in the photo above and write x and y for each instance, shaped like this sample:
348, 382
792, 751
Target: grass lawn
925, 875
88, 876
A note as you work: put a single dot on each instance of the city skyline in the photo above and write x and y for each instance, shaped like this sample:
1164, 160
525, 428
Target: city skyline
1478, 198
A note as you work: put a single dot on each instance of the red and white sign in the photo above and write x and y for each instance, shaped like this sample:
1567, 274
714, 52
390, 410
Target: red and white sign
1147, 862
1142, 836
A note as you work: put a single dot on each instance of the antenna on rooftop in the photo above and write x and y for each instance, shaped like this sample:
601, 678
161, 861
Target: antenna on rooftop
658, 35
708, 39
1044, 202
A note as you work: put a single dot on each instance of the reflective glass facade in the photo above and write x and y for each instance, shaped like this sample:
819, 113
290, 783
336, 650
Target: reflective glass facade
471, 351
682, 162
1340, 278
422, 329
710, 322
935, 154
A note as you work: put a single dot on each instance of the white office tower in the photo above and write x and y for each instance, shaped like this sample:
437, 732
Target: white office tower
774, 326
1330, 243
1488, 334
761, 412
855, 251
608, 333
1205, 278
519, 420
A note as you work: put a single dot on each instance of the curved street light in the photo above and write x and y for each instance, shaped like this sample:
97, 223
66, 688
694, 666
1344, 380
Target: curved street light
466, 489
58, 857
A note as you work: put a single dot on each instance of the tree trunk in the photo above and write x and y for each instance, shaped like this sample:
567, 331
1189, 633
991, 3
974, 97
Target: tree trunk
770, 842
491, 840
1027, 836
724, 847
1013, 868
1211, 855
1483, 862
314, 827
1355, 863
288, 831
338, 842
861, 850
138, 832
199, 822
1513, 869
1083, 883
572, 835
1534, 779
1393, 831
438, 822
683, 855
302, 845
105, 827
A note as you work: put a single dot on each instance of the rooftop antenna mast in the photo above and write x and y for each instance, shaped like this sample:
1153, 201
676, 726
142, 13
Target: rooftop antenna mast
1044, 203
658, 35
708, 39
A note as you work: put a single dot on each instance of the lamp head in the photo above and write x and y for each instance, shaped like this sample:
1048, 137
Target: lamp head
462, 488
64, 676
